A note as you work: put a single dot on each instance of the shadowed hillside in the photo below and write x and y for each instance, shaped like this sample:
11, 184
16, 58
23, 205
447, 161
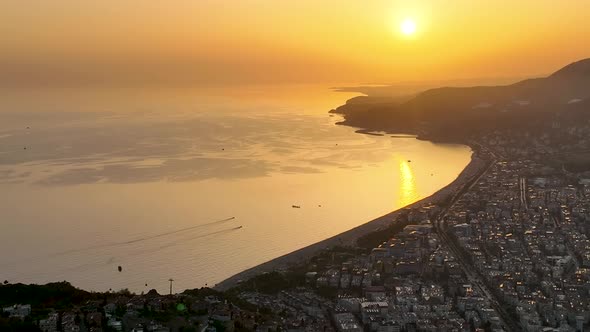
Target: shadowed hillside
451, 114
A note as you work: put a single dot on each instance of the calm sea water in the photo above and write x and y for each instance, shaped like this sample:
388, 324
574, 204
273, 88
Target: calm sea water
194, 185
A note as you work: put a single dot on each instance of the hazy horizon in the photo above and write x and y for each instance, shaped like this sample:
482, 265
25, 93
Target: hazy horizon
188, 43
263, 165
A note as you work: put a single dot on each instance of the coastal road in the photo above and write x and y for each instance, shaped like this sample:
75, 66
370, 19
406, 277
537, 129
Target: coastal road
472, 275
522, 189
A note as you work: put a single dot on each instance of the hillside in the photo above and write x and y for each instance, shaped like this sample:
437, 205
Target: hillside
453, 113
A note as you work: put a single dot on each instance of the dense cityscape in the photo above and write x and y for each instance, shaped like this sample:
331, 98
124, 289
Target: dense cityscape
508, 250
295, 166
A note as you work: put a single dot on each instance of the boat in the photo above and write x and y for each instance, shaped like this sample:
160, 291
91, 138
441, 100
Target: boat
239, 227
296, 206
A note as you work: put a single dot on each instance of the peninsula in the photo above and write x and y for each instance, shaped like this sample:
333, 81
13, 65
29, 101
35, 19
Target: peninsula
505, 247
450, 115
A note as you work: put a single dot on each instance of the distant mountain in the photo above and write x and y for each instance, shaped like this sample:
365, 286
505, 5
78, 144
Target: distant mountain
451, 113
580, 69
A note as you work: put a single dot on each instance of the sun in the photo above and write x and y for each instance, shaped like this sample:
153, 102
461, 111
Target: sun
408, 27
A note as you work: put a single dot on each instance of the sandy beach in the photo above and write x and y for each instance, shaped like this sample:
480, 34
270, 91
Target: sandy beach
349, 237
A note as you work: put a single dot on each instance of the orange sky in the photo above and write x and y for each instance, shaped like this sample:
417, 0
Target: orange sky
269, 41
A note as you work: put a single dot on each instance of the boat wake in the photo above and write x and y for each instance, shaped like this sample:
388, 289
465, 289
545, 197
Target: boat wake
146, 238
187, 239
111, 260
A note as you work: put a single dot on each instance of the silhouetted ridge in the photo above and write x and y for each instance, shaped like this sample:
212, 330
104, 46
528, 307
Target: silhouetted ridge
579, 69
454, 113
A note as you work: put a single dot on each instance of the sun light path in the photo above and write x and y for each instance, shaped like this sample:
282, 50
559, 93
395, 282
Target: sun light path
408, 193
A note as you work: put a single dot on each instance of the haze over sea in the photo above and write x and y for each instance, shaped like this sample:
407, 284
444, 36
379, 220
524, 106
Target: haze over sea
149, 180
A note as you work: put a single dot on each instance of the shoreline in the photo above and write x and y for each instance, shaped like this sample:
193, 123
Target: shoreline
349, 237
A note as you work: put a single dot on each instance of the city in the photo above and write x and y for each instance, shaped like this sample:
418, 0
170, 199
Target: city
295, 166
508, 250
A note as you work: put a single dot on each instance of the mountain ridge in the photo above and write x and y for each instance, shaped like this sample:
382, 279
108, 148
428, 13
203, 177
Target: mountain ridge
453, 113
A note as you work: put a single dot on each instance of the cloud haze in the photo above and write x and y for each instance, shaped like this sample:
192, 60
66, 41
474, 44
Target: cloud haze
67, 42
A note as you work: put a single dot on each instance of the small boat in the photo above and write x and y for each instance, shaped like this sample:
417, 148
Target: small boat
409, 161
296, 206
239, 227
120, 268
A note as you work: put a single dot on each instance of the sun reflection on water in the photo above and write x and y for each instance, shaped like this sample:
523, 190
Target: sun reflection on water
407, 190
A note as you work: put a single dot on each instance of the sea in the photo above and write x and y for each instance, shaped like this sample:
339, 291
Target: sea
127, 188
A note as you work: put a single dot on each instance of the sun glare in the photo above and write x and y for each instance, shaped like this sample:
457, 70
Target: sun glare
408, 26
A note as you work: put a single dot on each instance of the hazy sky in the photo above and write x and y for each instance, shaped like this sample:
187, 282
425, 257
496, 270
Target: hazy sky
270, 41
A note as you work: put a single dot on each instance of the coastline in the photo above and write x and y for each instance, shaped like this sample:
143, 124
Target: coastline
349, 237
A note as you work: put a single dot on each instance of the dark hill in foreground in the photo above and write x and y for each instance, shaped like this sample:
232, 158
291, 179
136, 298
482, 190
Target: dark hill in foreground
454, 113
